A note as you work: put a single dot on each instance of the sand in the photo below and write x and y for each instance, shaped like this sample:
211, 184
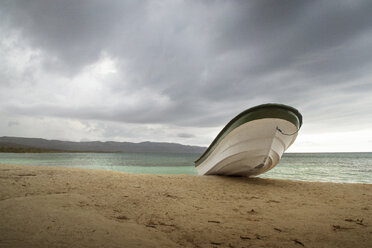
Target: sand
63, 207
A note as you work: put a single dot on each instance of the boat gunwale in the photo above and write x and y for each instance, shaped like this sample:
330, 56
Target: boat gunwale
269, 110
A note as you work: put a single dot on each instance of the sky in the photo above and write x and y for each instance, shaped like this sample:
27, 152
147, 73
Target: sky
178, 71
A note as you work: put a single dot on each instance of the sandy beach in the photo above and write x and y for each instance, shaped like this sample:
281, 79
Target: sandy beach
62, 207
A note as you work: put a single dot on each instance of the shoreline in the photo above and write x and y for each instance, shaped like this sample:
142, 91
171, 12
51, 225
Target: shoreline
176, 174
71, 207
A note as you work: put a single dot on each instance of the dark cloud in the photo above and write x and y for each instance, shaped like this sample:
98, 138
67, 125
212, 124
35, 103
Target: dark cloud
194, 63
70, 33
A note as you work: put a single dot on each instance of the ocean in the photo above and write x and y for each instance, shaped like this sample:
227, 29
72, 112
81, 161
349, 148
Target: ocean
314, 167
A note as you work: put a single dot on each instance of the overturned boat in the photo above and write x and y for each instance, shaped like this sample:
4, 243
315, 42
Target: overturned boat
251, 143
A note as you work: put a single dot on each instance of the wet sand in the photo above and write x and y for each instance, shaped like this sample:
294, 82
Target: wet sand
62, 207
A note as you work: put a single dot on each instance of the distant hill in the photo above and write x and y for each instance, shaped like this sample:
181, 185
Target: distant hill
17, 144
15, 148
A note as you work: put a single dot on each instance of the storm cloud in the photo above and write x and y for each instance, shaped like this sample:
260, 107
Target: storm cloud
179, 70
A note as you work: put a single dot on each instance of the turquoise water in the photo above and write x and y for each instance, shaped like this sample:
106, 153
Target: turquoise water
319, 167
139, 163
324, 167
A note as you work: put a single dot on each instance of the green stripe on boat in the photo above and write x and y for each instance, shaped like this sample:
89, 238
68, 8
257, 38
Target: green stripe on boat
269, 110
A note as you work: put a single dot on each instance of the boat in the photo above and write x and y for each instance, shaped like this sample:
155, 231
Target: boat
251, 143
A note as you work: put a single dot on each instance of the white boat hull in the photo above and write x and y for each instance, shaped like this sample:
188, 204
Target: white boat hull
250, 149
